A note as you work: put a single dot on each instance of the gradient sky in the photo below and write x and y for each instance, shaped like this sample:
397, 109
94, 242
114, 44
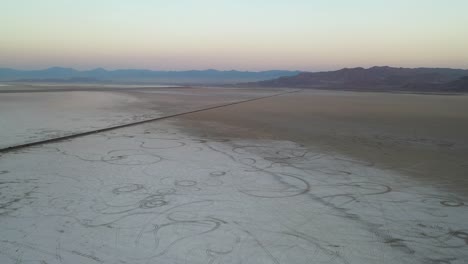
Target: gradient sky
237, 34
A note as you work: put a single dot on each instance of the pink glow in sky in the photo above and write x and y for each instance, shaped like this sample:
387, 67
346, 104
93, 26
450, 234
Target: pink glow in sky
244, 35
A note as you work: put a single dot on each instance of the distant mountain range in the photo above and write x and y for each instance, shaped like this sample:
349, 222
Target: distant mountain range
59, 74
377, 78
372, 79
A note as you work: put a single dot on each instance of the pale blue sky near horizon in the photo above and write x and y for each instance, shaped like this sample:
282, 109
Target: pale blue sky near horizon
241, 34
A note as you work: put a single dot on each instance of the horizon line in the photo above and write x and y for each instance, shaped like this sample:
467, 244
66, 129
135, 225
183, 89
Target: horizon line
213, 69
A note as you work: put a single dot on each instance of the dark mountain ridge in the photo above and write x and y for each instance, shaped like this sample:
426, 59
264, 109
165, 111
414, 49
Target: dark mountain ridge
377, 78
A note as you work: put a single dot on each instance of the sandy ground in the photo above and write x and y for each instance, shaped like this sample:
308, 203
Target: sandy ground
425, 136
242, 189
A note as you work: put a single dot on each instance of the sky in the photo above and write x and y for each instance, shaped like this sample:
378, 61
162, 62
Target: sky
308, 35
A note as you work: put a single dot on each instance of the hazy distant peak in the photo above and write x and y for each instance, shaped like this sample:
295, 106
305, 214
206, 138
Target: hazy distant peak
209, 76
56, 68
98, 70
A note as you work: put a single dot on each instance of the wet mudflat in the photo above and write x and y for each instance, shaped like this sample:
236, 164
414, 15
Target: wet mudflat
170, 192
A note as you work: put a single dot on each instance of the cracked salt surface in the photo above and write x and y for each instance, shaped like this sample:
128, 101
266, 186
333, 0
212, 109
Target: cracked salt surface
154, 194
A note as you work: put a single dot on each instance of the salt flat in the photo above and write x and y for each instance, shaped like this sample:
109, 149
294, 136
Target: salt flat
33, 117
152, 194
30, 113
423, 136
175, 192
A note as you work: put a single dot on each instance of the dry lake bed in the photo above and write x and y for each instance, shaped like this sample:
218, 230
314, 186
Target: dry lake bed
300, 177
